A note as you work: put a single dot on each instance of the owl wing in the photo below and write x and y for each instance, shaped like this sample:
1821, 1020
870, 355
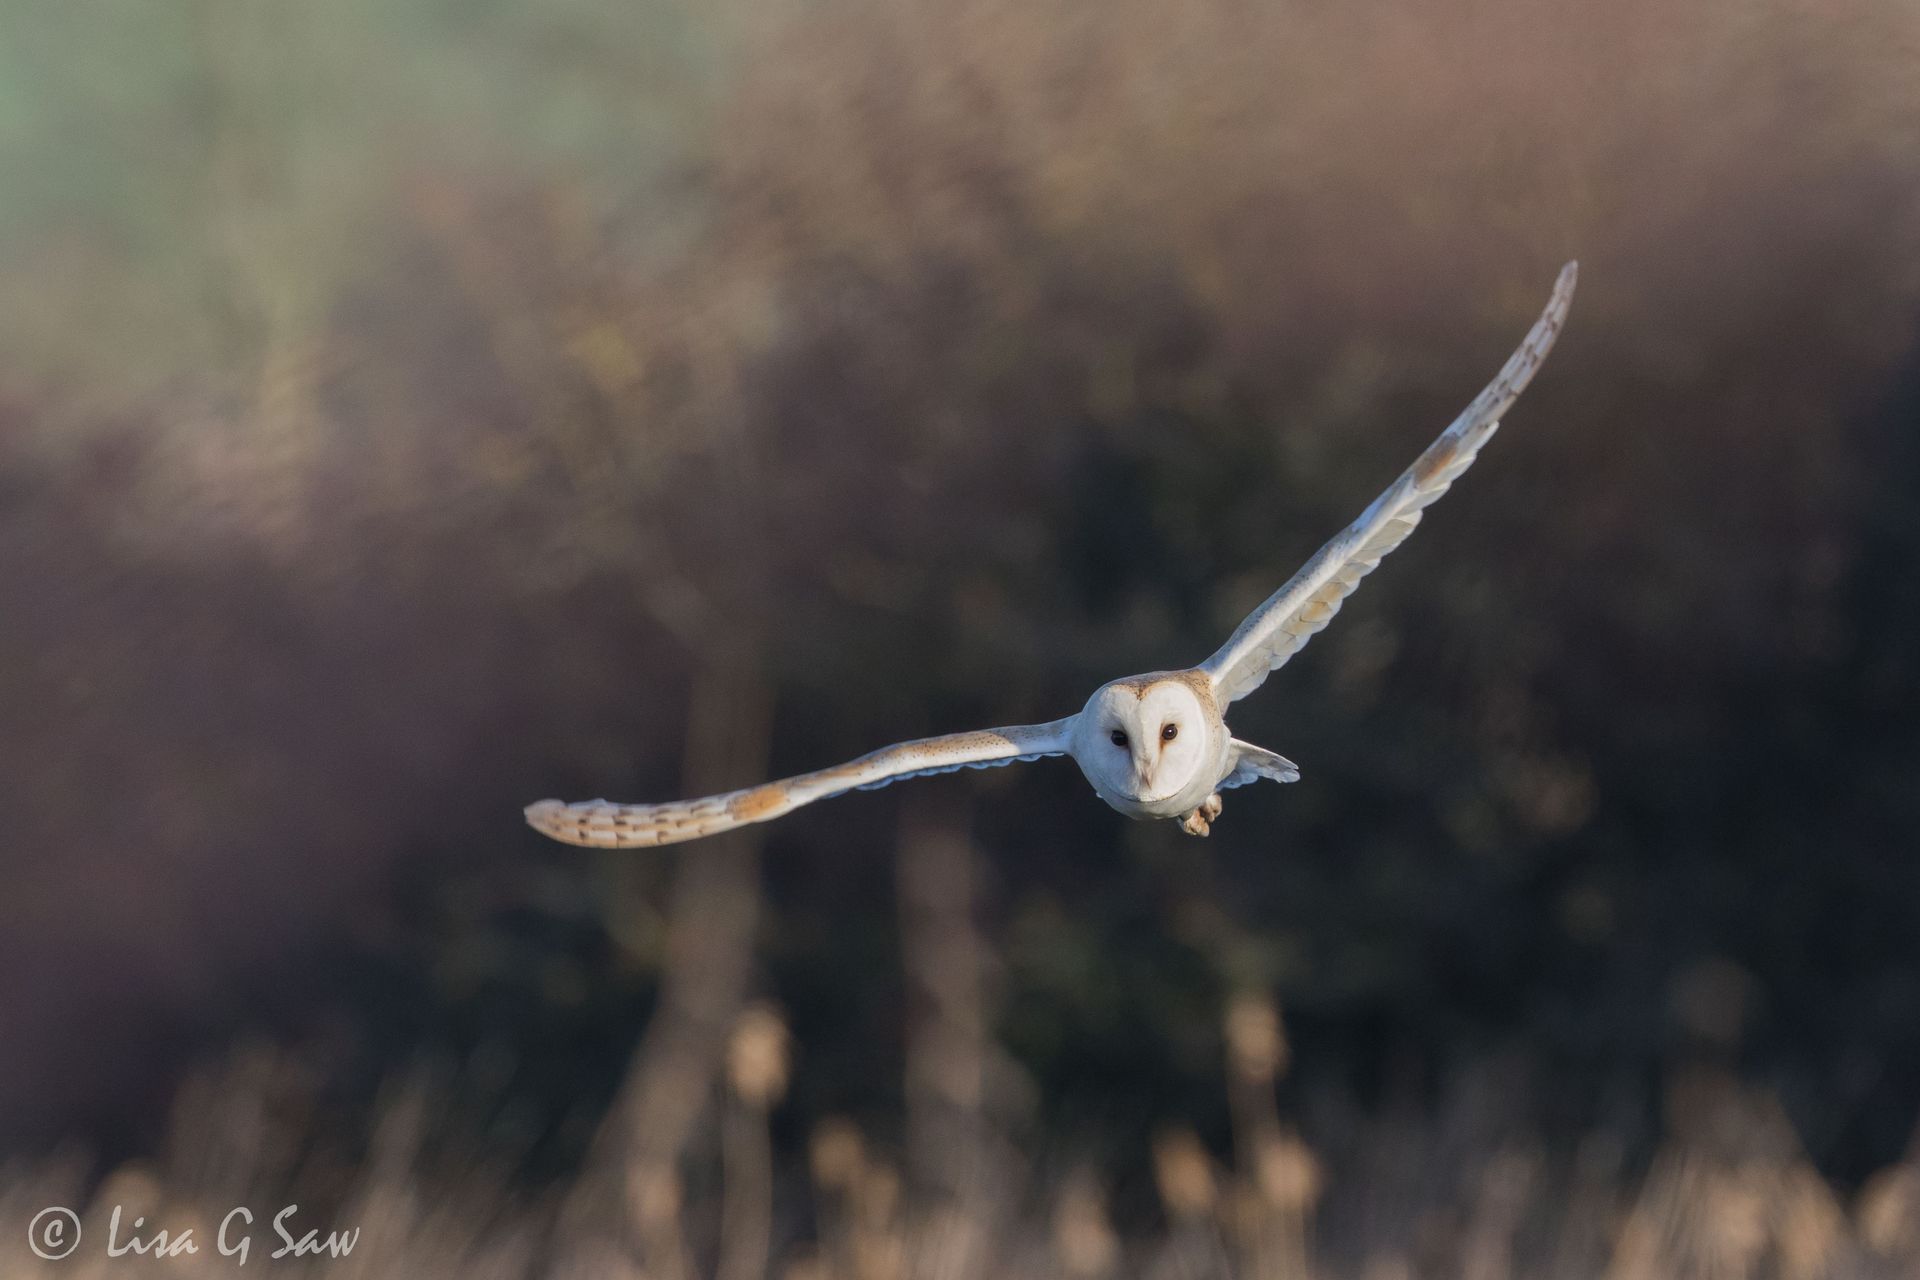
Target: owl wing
1251, 763
1279, 628
603, 824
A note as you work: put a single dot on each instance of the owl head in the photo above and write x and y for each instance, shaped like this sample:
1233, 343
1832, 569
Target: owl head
1143, 739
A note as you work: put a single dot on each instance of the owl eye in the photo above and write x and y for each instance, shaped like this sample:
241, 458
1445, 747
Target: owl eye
1119, 737
1169, 733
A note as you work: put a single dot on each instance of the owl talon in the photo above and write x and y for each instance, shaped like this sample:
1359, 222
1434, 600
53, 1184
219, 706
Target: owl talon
1211, 807
1196, 823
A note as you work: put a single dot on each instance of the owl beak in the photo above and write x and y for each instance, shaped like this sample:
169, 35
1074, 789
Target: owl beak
1143, 779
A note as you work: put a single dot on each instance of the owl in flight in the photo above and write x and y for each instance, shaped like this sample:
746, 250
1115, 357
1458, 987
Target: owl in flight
1152, 746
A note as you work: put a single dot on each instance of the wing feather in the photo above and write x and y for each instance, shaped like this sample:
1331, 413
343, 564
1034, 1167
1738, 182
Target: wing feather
602, 824
1291, 616
1251, 763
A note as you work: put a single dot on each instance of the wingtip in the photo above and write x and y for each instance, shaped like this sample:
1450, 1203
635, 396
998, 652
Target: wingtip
541, 814
1569, 275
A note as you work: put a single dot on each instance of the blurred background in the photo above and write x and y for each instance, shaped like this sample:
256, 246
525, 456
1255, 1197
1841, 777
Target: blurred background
409, 410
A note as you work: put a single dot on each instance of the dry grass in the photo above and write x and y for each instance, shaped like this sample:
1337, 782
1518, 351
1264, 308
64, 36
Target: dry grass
950, 1189
1728, 1195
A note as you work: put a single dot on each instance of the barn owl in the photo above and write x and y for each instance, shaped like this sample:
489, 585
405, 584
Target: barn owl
1154, 745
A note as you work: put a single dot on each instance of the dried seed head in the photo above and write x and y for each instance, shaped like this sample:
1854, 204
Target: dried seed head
1736, 1220
838, 1154
654, 1195
1184, 1174
1888, 1210
1256, 1043
1288, 1174
1083, 1239
757, 1056
1809, 1227
136, 1186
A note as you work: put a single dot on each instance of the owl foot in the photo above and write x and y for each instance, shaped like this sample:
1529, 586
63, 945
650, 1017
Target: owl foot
1200, 821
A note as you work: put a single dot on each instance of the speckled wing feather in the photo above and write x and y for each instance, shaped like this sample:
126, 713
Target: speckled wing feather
1291, 616
602, 824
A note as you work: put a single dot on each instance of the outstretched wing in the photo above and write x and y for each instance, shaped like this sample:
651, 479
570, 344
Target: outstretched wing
1280, 627
1251, 763
603, 824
